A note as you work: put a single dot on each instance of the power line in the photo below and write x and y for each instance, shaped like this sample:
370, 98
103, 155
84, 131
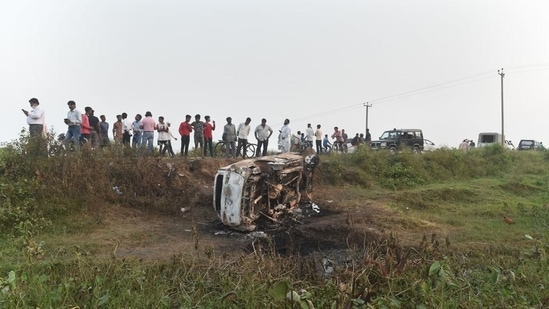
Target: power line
448, 84
404, 94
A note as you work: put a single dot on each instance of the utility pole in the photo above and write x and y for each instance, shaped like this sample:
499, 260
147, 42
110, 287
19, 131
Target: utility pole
500, 72
367, 106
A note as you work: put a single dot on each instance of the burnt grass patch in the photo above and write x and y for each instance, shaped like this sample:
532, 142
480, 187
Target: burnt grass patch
323, 232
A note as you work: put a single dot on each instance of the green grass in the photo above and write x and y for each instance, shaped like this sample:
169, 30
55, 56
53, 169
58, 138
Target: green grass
444, 243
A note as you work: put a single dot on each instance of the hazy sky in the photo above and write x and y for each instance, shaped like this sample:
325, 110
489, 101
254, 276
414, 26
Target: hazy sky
420, 64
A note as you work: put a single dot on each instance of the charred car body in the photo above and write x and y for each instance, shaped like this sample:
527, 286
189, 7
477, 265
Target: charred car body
269, 186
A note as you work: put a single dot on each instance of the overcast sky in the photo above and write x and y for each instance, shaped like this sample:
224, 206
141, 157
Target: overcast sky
420, 64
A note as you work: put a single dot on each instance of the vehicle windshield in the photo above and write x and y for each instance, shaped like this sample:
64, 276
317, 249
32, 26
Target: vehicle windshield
488, 139
389, 135
526, 143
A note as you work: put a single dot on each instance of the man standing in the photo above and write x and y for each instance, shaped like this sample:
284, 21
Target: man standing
368, 138
35, 118
137, 132
262, 133
198, 126
117, 132
185, 130
209, 127
229, 137
104, 132
164, 137
85, 129
94, 125
73, 121
148, 126
309, 135
464, 146
242, 133
126, 129
285, 135
318, 139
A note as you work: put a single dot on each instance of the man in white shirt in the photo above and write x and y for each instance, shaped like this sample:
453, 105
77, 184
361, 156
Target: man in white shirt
35, 118
309, 135
318, 136
242, 134
73, 121
284, 137
262, 133
126, 129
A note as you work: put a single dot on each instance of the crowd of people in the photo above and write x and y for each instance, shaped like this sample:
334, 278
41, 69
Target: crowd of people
85, 129
466, 144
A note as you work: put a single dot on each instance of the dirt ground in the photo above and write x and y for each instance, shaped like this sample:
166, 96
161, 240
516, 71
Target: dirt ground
126, 232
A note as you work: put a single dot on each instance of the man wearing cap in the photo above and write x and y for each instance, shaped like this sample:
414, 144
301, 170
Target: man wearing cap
73, 121
35, 118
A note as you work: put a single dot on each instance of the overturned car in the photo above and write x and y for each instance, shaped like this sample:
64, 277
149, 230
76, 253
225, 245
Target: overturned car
269, 186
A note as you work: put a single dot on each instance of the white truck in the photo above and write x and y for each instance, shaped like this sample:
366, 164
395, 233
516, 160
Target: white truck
490, 138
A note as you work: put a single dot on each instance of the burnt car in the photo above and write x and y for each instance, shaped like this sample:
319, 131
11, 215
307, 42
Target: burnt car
269, 187
399, 139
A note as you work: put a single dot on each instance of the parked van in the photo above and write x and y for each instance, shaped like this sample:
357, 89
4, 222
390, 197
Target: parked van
489, 138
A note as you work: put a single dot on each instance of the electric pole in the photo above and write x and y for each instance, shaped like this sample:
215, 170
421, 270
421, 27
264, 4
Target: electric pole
367, 106
500, 72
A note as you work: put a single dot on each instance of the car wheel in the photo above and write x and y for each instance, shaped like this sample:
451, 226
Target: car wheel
392, 150
415, 150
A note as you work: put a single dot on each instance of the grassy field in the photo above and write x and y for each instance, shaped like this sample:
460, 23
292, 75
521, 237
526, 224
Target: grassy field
475, 259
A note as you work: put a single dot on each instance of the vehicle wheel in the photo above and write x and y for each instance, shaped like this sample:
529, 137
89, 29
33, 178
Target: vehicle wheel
250, 150
392, 150
415, 150
220, 149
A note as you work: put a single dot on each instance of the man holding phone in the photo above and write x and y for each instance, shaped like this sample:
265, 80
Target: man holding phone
35, 118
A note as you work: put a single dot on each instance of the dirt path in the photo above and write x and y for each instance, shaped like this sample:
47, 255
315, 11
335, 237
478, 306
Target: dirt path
130, 233
344, 218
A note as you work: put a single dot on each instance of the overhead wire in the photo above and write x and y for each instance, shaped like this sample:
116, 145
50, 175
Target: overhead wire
447, 84
453, 83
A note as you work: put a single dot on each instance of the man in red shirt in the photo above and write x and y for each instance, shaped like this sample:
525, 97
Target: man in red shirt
338, 135
185, 130
85, 128
209, 127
